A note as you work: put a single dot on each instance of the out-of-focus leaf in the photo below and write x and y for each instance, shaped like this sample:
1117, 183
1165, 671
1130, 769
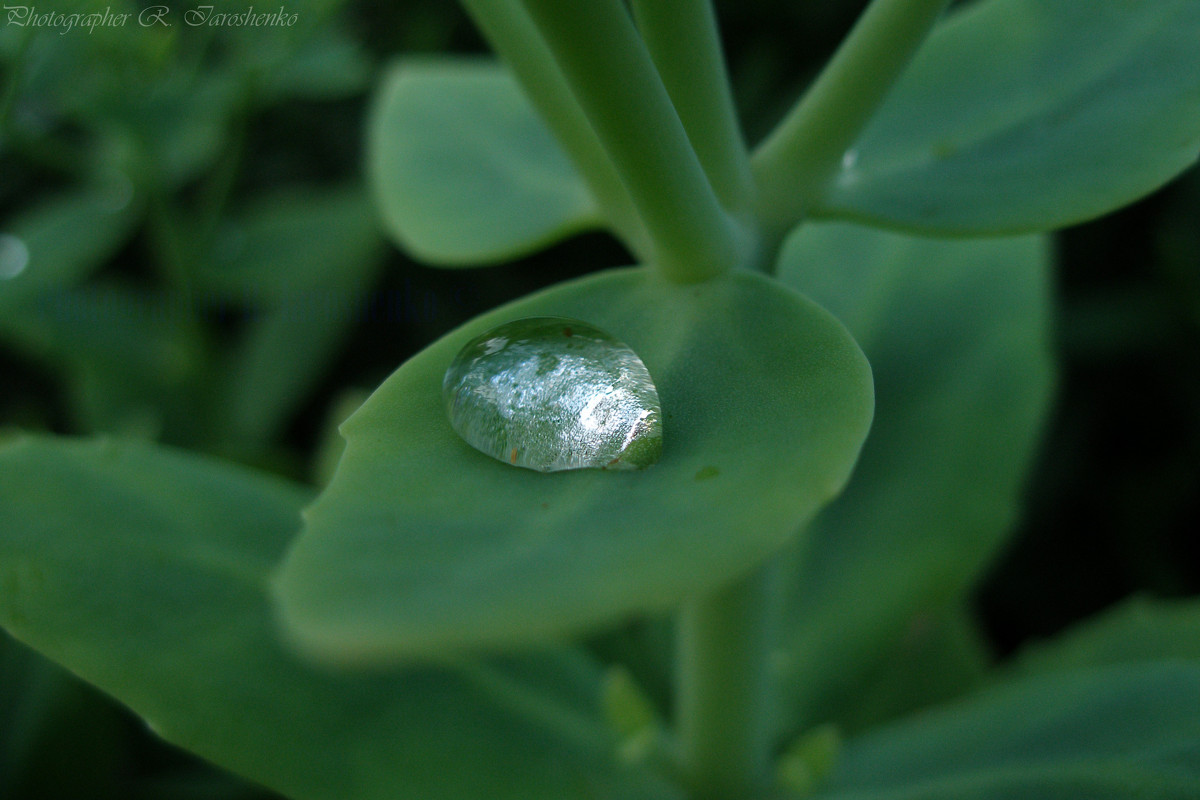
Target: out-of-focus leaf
326, 67
145, 570
127, 363
58, 737
59, 243
1122, 733
1026, 115
957, 337
463, 169
939, 657
1142, 629
303, 265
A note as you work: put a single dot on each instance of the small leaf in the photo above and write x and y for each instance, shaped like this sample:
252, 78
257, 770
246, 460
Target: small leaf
293, 247
1025, 115
1122, 733
144, 571
463, 169
957, 336
59, 243
126, 363
303, 264
422, 544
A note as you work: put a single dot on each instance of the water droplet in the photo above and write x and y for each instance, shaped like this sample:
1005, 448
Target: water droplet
551, 394
14, 256
849, 159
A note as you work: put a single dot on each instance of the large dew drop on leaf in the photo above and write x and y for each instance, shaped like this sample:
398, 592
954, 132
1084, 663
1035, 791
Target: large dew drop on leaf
551, 394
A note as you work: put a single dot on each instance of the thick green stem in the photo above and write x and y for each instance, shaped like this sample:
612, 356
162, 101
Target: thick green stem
516, 40
724, 688
794, 166
684, 41
612, 76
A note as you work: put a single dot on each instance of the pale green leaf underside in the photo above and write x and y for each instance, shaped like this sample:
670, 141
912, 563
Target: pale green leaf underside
1123, 733
144, 571
422, 543
1023, 115
957, 334
464, 171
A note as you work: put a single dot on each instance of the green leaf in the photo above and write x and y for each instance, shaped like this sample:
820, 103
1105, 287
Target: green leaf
144, 571
293, 247
463, 169
328, 66
1141, 629
127, 365
1122, 733
58, 243
422, 544
957, 337
938, 658
1024, 115
58, 737
304, 264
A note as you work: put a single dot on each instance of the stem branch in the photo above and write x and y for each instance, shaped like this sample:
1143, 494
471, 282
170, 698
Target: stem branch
724, 687
611, 75
683, 39
516, 40
794, 166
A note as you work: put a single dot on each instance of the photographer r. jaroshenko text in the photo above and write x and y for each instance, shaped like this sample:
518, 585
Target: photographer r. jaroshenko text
152, 16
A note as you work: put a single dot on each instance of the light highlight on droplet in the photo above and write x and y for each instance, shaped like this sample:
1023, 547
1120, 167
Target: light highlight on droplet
552, 394
14, 256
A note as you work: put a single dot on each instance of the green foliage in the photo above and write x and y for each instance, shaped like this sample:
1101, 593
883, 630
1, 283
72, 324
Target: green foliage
1123, 732
1014, 117
393, 523
1139, 629
189, 265
464, 170
150, 579
957, 335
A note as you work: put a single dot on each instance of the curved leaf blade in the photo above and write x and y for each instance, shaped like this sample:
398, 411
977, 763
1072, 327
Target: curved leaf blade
145, 572
422, 544
58, 244
957, 333
463, 170
1140, 629
1026, 115
1123, 733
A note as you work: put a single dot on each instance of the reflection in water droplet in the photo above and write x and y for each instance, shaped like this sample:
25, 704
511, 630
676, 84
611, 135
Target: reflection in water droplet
14, 256
551, 394
849, 159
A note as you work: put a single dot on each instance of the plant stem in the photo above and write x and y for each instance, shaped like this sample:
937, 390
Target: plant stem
516, 40
724, 686
610, 73
794, 166
683, 39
